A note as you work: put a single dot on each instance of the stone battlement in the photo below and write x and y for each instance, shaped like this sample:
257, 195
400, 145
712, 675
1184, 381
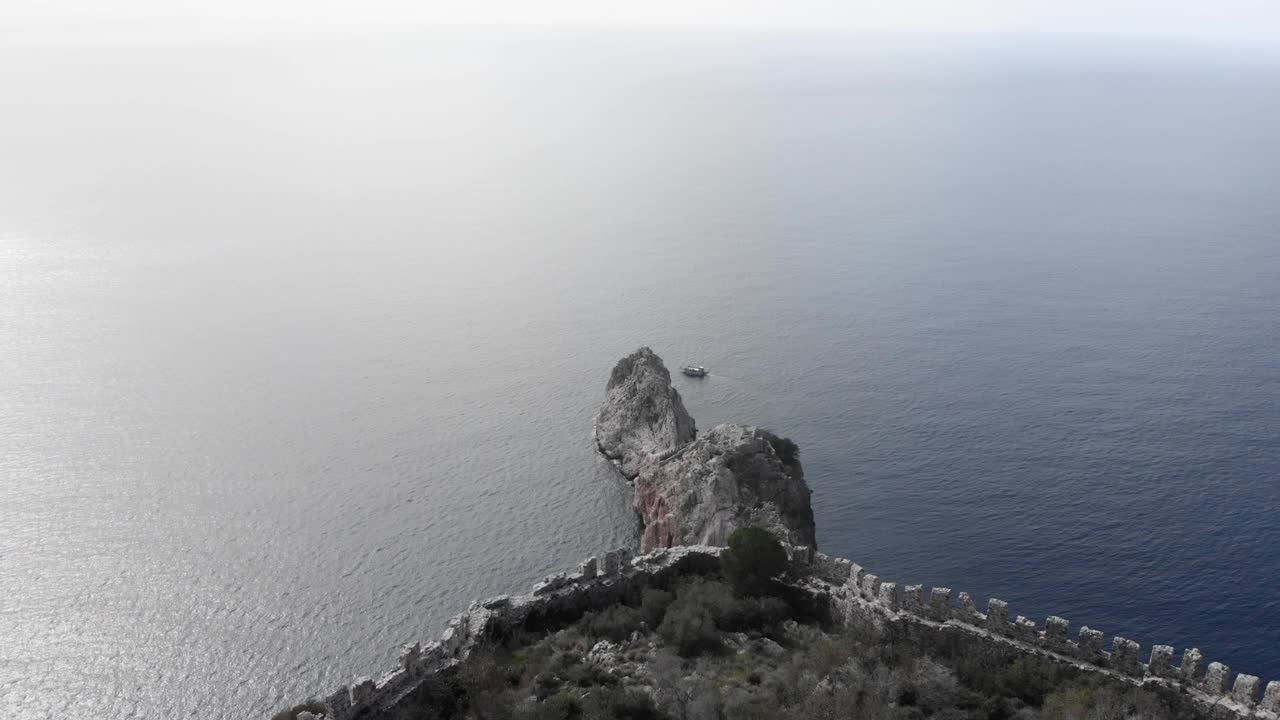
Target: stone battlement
1235, 695
598, 582
852, 596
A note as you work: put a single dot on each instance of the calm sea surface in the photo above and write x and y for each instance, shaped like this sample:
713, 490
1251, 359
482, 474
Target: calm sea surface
301, 334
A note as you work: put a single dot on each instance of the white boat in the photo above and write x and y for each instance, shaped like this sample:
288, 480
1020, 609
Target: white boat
694, 370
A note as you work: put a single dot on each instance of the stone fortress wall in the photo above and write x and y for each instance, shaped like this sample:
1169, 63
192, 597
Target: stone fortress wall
1211, 687
850, 595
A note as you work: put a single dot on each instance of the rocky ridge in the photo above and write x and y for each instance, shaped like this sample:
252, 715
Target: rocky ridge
838, 595
696, 491
734, 476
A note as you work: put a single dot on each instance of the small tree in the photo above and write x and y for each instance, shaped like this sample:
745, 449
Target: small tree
754, 557
312, 706
690, 628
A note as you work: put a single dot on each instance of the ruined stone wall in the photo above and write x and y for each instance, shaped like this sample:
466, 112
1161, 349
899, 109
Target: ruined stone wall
852, 596
1213, 686
557, 600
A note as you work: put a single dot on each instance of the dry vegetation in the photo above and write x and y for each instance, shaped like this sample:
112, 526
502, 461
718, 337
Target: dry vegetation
708, 649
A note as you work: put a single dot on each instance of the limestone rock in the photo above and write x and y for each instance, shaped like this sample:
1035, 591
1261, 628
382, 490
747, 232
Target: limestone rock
697, 492
734, 476
643, 417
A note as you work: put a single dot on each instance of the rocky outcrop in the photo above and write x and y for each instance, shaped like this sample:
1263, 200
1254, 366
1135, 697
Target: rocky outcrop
734, 476
691, 492
643, 417
737, 476
835, 591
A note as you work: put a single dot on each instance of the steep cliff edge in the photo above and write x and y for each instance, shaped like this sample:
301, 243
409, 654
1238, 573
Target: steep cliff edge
668, 635
643, 417
664, 636
689, 491
734, 476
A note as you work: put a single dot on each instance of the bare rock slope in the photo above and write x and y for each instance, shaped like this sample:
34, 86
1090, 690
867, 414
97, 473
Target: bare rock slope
643, 417
734, 476
697, 492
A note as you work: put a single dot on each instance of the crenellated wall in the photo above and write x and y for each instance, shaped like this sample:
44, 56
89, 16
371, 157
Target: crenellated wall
852, 596
1216, 686
556, 600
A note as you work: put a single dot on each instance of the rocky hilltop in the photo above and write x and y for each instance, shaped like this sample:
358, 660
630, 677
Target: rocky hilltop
665, 636
643, 417
674, 634
697, 491
735, 476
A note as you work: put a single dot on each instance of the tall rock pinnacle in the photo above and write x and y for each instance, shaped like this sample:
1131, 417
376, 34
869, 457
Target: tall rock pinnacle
643, 417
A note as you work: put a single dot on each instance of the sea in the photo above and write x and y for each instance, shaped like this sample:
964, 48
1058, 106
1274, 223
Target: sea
302, 329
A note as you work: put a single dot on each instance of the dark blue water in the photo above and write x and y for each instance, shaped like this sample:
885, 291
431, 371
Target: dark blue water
301, 335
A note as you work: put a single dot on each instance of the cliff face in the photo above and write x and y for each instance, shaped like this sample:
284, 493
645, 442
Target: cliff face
698, 492
691, 492
735, 476
643, 417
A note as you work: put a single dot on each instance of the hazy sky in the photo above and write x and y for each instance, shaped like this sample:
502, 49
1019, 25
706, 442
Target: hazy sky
1252, 21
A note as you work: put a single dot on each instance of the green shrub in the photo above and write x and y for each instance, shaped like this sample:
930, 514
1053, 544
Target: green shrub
701, 607
690, 628
754, 557
613, 704
545, 685
1068, 704
587, 675
1001, 675
753, 707
486, 682
615, 623
846, 703
311, 706
751, 613
786, 449
562, 706
1105, 703
825, 655
1030, 681
732, 613
436, 698
653, 606
565, 659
